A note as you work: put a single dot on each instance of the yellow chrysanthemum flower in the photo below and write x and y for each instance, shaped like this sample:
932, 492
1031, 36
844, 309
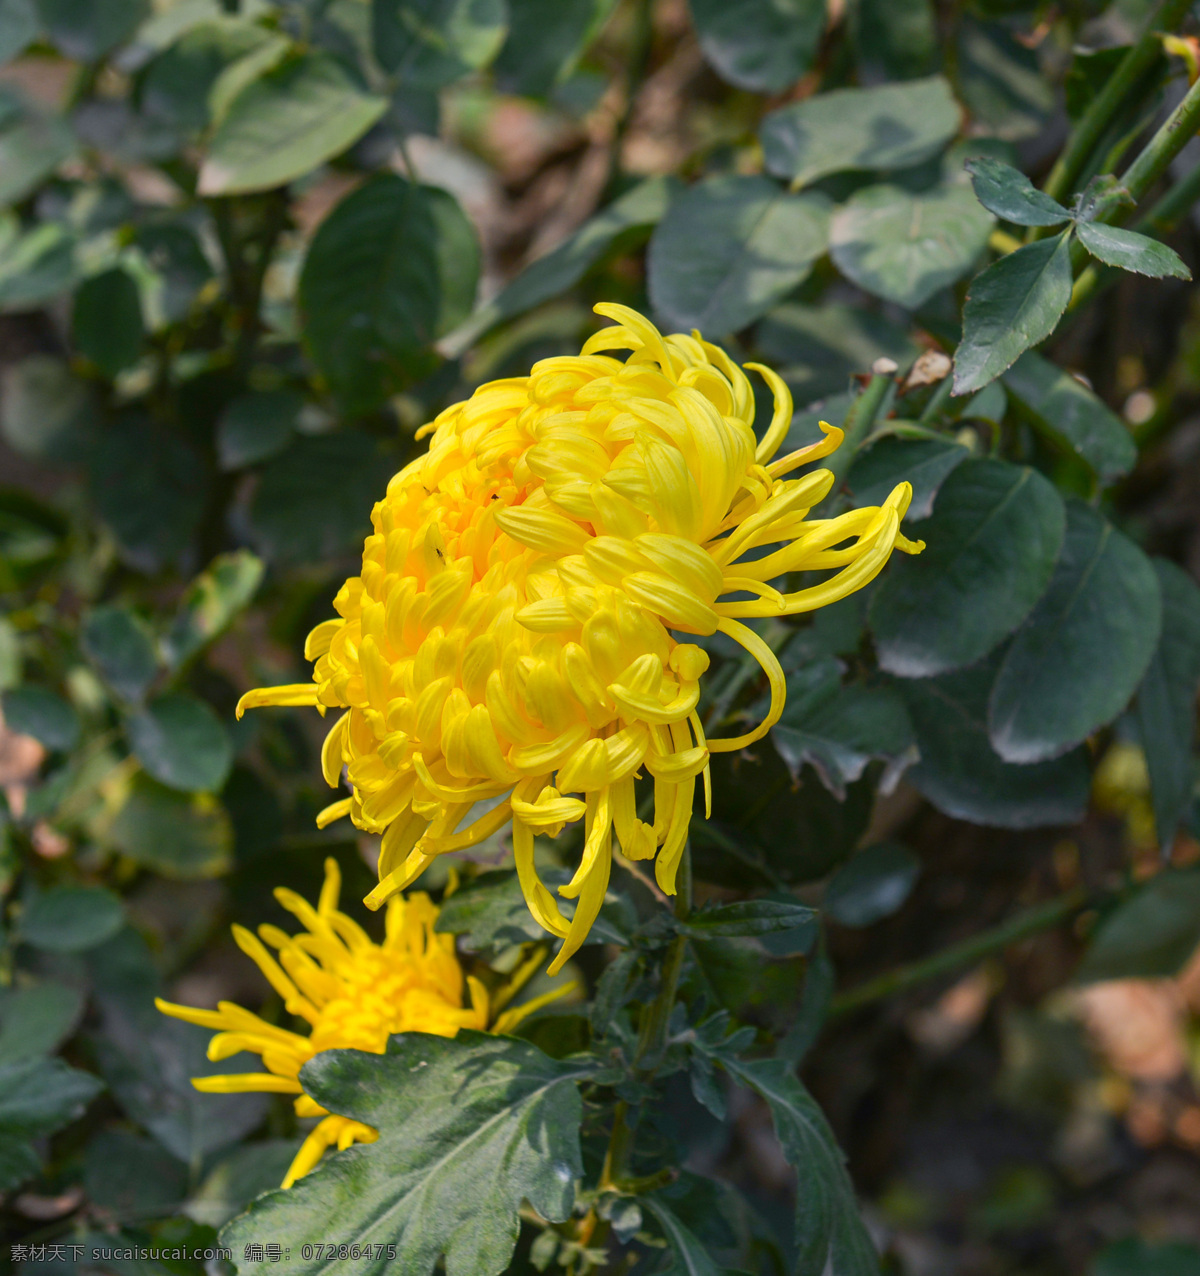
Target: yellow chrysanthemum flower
355, 994
511, 640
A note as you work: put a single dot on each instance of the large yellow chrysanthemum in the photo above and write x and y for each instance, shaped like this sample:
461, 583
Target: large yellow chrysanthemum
511, 639
355, 994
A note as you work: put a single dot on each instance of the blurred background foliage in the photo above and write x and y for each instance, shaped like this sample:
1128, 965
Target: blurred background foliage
247, 248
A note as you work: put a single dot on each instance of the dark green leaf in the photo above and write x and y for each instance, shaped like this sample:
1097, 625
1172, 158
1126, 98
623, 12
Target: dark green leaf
36, 266
87, 29
431, 43
149, 485
729, 248
36, 1019
830, 1235
1079, 657
284, 124
18, 27
545, 41
299, 516
566, 265
873, 885
1150, 935
175, 255
40, 713
210, 604
905, 247
45, 410
391, 269
1012, 305
1071, 414
893, 126
176, 834
37, 1097
991, 546
925, 463
120, 646
1136, 1257
256, 427
895, 37
32, 146
746, 917
1000, 80
963, 776
469, 1128
691, 1258
1165, 708
132, 1178
247, 1172
761, 45
1011, 195
490, 911
71, 919
182, 743
1128, 250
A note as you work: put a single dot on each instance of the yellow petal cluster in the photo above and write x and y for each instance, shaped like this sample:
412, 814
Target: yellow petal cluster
354, 994
511, 649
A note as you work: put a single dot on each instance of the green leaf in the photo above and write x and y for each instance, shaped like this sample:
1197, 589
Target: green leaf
235, 1181
32, 146
729, 248
149, 485
490, 911
1077, 660
37, 1097
175, 255
45, 410
1063, 408
256, 427
393, 267
298, 515
1001, 81
761, 45
873, 885
36, 266
431, 43
889, 127
894, 39
1012, 305
963, 776
210, 604
905, 247
830, 1236
991, 546
18, 27
178, 835
120, 647
691, 1258
545, 41
38, 712
1008, 193
87, 29
469, 1128
566, 265
891, 459
746, 917
133, 1178
1165, 709
1128, 250
1150, 935
36, 1019
1136, 1257
182, 743
71, 919
285, 124
242, 72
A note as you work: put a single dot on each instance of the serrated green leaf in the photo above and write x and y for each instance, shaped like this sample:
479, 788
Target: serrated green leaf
761, 45
87, 29
469, 1128
1063, 408
747, 917
891, 459
176, 834
490, 911
286, 123
872, 885
428, 44
1078, 659
691, 1258
893, 126
1165, 708
1012, 305
120, 647
1151, 935
71, 919
1127, 250
393, 267
1008, 193
729, 248
38, 712
210, 603
182, 743
963, 776
991, 546
37, 1097
905, 247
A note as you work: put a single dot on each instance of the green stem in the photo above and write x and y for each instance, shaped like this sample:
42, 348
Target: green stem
1040, 917
1090, 129
1177, 130
873, 403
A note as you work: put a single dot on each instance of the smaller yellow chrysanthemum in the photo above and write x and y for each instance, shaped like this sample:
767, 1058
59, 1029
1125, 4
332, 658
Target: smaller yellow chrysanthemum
355, 994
